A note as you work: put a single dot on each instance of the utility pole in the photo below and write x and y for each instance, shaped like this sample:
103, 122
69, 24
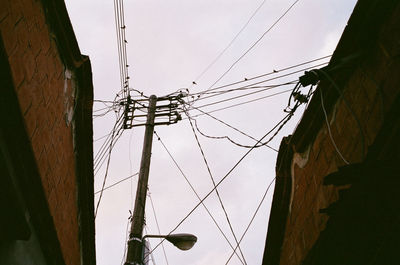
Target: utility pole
134, 253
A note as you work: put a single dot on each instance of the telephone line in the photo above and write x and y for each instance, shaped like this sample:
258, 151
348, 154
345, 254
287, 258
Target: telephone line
195, 192
263, 75
231, 42
243, 103
284, 120
213, 181
254, 44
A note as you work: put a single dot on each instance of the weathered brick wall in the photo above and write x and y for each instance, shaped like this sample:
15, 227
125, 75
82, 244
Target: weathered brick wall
45, 95
370, 92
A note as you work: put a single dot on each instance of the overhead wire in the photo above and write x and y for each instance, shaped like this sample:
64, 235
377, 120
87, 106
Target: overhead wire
103, 148
99, 157
243, 103
196, 193
213, 181
236, 97
349, 108
278, 126
263, 75
240, 89
105, 174
231, 42
254, 44
252, 85
253, 217
116, 183
227, 137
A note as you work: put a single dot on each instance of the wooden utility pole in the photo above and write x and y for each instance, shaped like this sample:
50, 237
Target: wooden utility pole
134, 253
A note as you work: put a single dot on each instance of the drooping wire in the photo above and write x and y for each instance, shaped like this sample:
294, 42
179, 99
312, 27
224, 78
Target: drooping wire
213, 181
195, 192
279, 125
350, 109
288, 109
234, 128
329, 130
254, 44
223, 137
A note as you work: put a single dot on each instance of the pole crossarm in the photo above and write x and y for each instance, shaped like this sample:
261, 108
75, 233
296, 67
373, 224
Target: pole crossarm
165, 114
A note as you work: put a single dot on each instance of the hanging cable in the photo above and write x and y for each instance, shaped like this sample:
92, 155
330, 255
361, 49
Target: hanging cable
243, 103
197, 195
280, 125
105, 176
230, 126
362, 134
213, 181
329, 130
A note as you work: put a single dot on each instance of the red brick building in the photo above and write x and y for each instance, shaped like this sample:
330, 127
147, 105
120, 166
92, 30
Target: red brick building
46, 158
336, 199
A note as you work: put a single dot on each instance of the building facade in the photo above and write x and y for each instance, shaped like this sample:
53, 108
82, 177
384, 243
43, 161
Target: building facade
336, 199
46, 153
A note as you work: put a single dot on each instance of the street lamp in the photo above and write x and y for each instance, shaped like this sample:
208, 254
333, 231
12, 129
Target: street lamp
182, 241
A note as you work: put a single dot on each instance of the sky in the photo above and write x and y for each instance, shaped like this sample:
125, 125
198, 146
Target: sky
169, 44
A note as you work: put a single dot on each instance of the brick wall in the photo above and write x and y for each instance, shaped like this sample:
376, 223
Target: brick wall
369, 93
45, 92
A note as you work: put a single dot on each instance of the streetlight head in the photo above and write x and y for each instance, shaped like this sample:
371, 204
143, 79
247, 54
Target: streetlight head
182, 241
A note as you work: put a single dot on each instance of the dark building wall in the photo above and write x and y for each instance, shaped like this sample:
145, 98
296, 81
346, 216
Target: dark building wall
357, 100
47, 78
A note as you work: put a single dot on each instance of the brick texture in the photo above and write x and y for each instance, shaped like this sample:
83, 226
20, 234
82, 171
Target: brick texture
369, 92
38, 74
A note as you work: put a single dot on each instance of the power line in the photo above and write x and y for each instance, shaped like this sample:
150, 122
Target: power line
213, 181
253, 217
252, 85
100, 156
240, 96
105, 175
227, 137
231, 42
243, 103
329, 130
254, 44
263, 75
195, 192
279, 124
118, 182
248, 87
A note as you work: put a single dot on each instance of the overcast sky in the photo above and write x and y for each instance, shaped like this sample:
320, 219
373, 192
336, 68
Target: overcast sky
170, 43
